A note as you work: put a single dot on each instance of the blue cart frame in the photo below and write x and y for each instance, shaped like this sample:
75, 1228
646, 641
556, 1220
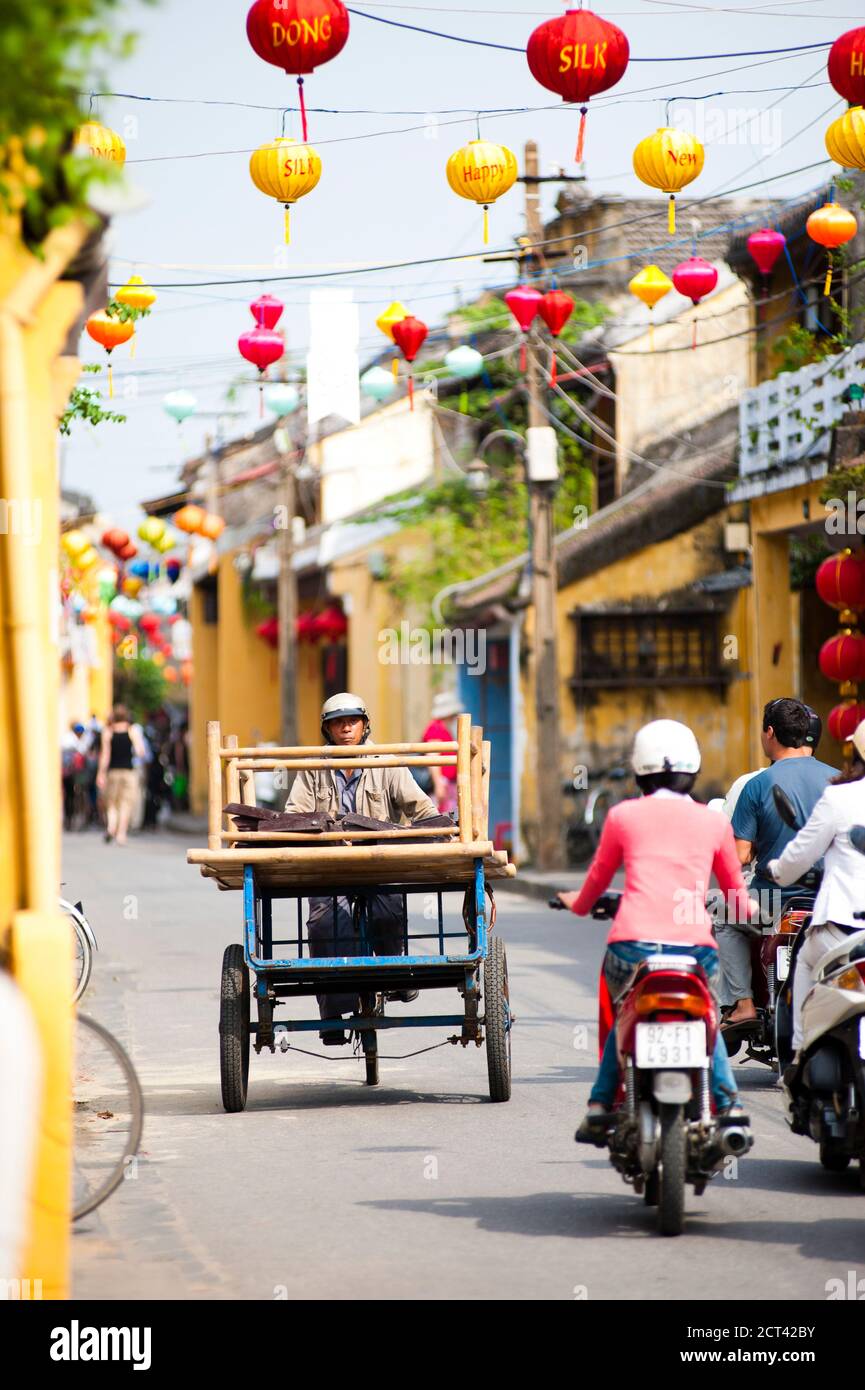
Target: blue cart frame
479, 973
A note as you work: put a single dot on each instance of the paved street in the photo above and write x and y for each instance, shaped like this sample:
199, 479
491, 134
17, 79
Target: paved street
420, 1188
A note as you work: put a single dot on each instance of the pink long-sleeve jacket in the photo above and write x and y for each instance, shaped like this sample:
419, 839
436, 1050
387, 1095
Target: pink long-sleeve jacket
670, 846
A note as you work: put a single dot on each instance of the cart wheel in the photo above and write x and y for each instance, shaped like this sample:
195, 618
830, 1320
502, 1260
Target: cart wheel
234, 1029
372, 1068
497, 1011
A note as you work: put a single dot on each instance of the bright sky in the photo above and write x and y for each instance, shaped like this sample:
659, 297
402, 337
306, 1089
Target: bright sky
383, 196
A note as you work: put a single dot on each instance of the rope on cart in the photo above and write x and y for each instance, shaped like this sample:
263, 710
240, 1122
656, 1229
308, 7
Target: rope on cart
359, 1056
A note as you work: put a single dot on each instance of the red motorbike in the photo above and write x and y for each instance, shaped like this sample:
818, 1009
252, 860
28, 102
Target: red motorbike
664, 1132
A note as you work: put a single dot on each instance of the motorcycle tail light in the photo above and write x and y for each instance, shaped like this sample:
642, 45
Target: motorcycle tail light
852, 978
693, 1004
791, 921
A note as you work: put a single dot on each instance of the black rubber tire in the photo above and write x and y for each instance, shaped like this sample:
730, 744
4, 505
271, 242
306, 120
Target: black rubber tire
650, 1191
372, 1068
783, 1029
671, 1182
496, 1008
234, 1029
831, 1160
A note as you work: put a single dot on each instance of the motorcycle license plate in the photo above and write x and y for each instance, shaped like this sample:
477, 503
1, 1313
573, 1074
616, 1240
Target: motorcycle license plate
782, 962
671, 1045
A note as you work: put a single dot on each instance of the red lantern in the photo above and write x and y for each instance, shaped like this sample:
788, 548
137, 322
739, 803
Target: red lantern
149, 623
555, 309
305, 627
128, 551
842, 658
268, 631
266, 310
840, 581
844, 720
331, 624
119, 621
764, 248
297, 36
576, 56
523, 303
695, 278
846, 66
261, 347
409, 335
115, 539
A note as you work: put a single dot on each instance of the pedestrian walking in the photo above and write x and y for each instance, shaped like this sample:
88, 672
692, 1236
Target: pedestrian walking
445, 708
117, 777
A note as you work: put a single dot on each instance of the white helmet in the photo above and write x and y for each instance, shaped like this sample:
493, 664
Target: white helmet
665, 745
345, 704
858, 739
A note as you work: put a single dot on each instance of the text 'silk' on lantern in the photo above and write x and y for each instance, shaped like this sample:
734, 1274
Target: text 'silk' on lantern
409, 334
577, 56
298, 36
555, 309
482, 171
109, 333
831, 226
286, 171
669, 160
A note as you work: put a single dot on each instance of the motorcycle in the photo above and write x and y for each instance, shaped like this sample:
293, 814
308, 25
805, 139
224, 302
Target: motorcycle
664, 1133
824, 1089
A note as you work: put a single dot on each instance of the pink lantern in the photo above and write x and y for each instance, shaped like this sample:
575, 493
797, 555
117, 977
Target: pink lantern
695, 278
261, 347
266, 310
764, 248
524, 303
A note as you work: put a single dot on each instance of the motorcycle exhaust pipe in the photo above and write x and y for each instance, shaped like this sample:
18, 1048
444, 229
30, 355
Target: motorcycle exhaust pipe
733, 1140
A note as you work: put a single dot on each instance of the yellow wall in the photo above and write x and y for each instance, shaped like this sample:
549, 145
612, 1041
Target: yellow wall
247, 679
203, 701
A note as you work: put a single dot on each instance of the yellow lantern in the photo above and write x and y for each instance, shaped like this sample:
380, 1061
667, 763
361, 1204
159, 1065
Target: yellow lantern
394, 313
101, 142
152, 530
165, 543
87, 558
132, 585
669, 160
135, 294
285, 170
74, 543
650, 285
482, 171
158, 658
845, 139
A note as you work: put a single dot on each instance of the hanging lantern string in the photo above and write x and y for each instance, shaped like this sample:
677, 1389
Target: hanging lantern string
302, 108
581, 134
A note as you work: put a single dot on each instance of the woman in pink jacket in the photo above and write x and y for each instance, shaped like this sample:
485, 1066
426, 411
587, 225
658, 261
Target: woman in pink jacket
669, 845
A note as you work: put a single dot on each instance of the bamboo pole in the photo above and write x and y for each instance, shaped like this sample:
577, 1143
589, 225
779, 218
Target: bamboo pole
309, 764
214, 786
486, 755
247, 788
314, 837
476, 776
328, 750
357, 855
232, 775
464, 789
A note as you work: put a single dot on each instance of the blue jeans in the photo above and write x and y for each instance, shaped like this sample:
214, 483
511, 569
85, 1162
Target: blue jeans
619, 963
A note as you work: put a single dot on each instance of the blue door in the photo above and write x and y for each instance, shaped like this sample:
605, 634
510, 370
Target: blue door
487, 698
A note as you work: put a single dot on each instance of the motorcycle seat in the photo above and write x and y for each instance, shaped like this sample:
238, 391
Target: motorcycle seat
683, 963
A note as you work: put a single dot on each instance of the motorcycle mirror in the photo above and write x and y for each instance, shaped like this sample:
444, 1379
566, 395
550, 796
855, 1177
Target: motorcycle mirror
857, 838
785, 808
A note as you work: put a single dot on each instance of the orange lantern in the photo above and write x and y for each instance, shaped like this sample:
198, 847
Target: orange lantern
186, 672
212, 526
109, 332
669, 160
189, 519
170, 674
831, 226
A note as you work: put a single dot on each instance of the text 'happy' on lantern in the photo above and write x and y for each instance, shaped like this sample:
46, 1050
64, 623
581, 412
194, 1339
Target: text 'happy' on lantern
482, 171
669, 160
286, 171
577, 56
846, 66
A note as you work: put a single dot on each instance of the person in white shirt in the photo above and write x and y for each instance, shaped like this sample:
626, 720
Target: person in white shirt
826, 834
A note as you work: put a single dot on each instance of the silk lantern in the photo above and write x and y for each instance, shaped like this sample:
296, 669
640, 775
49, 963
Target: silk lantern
577, 56
100, 142
331, 623
845, 139
649, 286
842, 657
523, 302
846, 66
844, 719
188, 519
74, 543
394, 313
305, 627
669, 160
109, 332
136, 295
466, 363
298, 36
831, 226
409, 335
482, 171
115, 539
172, 569
695, 278
179, 405
378, 384
281, 398
764, 248
285, 171
170, 674
555, 309
840, 581
261, 347
186, 671
266, 310
212, 526
151, 530
268, 631
127, 551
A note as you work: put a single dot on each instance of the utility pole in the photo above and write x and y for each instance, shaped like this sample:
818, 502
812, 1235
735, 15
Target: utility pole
548, 777
287, 596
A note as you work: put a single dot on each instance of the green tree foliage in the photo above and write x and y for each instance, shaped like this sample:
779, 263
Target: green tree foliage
51, 51
86, 404
140, 685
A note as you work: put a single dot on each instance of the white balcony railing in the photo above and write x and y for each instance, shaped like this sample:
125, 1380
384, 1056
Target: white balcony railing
791, 417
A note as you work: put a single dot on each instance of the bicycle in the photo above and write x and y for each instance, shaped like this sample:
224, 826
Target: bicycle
85, 945
106, 1101
591, 804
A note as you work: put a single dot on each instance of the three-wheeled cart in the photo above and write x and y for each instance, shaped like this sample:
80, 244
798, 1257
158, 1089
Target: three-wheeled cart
353, 868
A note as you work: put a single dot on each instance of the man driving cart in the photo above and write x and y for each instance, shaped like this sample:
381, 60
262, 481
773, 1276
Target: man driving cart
381, 794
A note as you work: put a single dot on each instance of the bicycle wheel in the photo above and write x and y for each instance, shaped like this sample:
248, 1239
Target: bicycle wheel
107, 1115
82, 964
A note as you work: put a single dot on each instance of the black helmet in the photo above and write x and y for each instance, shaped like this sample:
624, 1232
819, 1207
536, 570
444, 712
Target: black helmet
815, 727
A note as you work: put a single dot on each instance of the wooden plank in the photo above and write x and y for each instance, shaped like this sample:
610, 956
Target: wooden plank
476, 776
338, 836
464, 790
303, 751
349, 856
486, 762
352, 760
214, 785
232, 775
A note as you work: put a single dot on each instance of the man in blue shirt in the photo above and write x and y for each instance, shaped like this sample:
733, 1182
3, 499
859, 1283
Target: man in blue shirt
761, 834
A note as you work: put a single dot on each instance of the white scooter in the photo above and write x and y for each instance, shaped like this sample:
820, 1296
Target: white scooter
824, 1089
